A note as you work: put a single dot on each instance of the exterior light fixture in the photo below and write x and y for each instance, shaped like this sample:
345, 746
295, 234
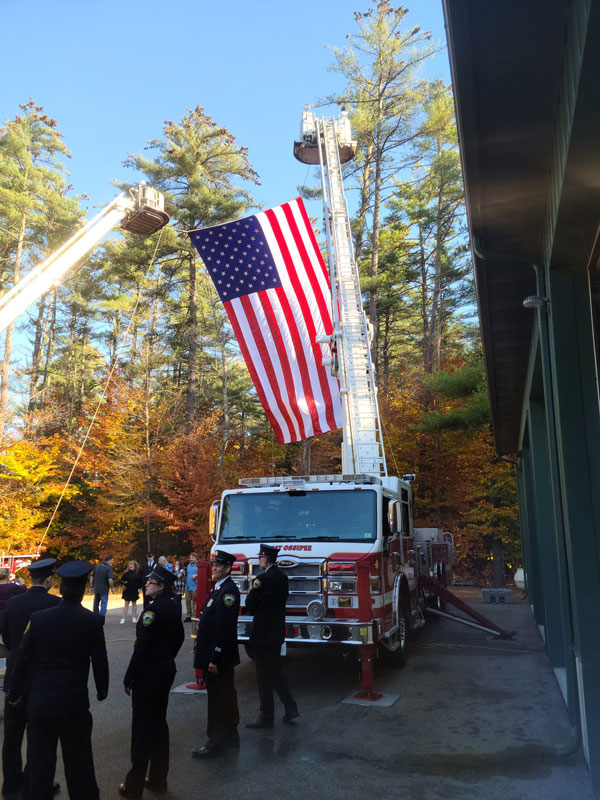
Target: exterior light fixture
534, 301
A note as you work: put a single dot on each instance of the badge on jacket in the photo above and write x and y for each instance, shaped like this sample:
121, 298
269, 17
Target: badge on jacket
256, 583
148, 618
229, 599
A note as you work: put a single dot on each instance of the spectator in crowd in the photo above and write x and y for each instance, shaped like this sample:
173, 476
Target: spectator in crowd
162, 561
190, 587
16, 618
266, 602
149, 676
102, 582
131, 581
179, 584
146, 570
51, 669
8, 589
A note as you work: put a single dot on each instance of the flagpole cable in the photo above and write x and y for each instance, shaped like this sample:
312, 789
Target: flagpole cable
101, 399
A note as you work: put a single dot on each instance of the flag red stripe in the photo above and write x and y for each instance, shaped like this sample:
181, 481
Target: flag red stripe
253, 374
284, 361
296, 337
306, 314
309, 268
266, 362
313, 239
325, 315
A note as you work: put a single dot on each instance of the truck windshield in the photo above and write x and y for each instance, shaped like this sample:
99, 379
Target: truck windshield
348, 516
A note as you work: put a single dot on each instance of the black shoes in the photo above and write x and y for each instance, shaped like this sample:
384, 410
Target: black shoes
208, 752
290, 715
125, 792
260, 723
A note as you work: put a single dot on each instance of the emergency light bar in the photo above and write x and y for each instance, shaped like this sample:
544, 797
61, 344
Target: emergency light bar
299, 481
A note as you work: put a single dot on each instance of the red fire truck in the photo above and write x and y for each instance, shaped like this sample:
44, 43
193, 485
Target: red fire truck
347, 542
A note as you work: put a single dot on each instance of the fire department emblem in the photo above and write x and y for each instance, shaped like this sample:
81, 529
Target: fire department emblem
147, 618
229, 600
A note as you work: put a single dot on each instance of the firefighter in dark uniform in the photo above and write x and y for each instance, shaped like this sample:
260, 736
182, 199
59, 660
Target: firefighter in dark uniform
266, 601
149, 677
52, 667
18, 613
216, 654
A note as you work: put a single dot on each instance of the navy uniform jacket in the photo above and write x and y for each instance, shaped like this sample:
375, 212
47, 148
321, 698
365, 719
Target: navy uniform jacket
16, 616
159, 635
266, 601
53, 661
216, 639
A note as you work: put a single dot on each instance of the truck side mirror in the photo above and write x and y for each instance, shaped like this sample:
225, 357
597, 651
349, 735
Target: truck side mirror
395, 517
213, 520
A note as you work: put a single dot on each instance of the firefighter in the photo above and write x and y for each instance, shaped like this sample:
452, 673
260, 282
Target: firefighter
266, 601
52, 667
149, 677
216, 654
17, 615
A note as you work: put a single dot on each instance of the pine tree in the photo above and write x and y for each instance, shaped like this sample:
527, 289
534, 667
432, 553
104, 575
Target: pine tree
35, 212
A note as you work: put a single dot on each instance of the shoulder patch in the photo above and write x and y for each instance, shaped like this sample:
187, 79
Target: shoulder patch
27, 627
229, 599
256, 583
148, 618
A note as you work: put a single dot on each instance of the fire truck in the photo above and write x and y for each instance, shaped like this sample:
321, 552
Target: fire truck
360, 575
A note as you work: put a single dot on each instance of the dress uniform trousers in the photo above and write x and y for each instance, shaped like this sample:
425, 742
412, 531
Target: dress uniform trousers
15, 722
269, 677
75, 733
222, 707
149, 728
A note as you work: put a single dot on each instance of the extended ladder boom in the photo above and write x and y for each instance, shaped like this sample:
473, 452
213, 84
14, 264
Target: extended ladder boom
362, 449
141, 211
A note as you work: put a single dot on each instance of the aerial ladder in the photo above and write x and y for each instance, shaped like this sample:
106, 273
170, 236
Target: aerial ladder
141, 210
327, 141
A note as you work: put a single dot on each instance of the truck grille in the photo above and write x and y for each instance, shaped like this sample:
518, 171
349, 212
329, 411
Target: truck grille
304, 578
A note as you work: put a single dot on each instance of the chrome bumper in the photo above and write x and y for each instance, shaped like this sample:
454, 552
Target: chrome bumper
302, 630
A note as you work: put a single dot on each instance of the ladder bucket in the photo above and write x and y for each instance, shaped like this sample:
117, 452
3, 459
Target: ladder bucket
146, 221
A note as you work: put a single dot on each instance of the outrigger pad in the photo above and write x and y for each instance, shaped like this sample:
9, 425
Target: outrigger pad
146, 221
381, 700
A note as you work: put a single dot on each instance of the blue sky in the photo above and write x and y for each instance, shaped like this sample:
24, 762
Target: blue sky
111, 73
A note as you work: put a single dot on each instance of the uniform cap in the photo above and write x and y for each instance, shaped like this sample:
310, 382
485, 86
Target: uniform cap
269, 551
76, 571
42, 568
222, 557
162, 574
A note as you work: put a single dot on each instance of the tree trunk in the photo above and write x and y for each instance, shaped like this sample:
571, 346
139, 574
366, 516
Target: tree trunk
192, 348
225, 435
4, 368
36, 357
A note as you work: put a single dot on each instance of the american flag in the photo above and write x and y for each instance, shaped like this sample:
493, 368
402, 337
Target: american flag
269, 273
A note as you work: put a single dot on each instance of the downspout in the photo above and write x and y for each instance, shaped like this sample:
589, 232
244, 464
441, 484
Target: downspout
573, 743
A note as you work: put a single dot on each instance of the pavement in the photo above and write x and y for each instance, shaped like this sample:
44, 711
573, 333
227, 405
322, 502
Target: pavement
475, 718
